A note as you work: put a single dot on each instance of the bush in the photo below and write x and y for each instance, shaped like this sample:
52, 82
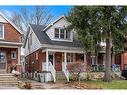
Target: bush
27, 85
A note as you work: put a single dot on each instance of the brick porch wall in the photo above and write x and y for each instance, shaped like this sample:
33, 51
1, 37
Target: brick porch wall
10, 61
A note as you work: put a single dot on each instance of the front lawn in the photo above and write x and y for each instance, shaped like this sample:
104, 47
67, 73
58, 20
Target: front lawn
115, 84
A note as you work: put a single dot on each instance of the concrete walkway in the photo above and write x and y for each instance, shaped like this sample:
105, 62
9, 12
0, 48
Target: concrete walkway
39, 85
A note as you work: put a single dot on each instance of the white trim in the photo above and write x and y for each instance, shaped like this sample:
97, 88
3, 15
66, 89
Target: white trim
58, 39
58, 50
54, 22
3, 31
11, 43
47, 64
19, 53
65, 33
11, 23
9, 46
60, 47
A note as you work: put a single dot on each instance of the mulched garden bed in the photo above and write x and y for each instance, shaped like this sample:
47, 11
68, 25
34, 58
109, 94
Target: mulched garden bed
83, 85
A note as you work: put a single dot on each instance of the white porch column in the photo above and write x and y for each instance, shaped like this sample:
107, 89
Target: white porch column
47, 60
19, 53
47, 63
65, 58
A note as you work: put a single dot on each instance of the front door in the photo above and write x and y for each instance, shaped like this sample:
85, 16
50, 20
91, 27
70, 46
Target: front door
51, 59
2, 60
58, 61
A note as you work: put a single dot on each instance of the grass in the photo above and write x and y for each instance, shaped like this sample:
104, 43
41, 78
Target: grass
115, 84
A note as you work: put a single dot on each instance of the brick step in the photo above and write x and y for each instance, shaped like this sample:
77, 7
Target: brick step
60, 76
9, 83
7, 74
8, 79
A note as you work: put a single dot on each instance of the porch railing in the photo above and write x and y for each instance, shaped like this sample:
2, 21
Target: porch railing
65, 71
98, 67
101, 68
52, 70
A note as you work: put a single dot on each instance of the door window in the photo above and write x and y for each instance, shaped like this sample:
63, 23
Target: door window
51, 59
2, 57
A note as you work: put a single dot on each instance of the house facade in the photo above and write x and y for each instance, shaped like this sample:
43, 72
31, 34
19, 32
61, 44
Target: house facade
49, 49
10, 45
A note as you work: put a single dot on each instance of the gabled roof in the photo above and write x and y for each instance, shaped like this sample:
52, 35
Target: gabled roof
11, 23
44, 39
53, 22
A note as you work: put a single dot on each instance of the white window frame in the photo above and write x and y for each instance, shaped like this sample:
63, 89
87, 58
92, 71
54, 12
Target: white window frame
54, 33
12, 55
65, 33
3, 30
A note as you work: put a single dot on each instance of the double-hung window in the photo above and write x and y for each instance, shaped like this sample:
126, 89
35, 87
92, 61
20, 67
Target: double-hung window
1, 31
56, 32
62, 33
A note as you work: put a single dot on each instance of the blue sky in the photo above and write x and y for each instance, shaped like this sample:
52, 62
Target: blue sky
56, 10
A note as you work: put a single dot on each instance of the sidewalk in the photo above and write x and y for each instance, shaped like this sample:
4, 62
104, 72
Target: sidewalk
39, 85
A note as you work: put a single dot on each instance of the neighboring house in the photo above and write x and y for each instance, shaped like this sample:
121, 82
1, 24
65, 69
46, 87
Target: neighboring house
50, 49
10, 44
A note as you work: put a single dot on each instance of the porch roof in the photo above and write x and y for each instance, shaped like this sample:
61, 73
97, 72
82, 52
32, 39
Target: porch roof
64, 50
10, 44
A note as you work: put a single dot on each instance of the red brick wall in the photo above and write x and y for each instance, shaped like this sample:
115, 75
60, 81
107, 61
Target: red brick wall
32, 63
123, 60
10, 33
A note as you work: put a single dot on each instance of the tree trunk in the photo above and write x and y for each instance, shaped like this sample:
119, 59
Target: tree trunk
107, 76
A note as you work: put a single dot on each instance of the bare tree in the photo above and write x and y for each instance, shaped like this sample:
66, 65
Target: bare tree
40, 15
76, 69
16, 19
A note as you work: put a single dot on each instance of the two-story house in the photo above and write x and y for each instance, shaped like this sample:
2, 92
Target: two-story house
50, 48
10, 45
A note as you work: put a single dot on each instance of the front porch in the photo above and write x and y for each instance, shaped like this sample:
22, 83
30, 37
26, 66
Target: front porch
98, 63
57, 60
9, 58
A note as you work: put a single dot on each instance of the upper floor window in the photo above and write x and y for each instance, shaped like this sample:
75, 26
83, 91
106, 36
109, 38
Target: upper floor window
1, 31
62, 33
56, 33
